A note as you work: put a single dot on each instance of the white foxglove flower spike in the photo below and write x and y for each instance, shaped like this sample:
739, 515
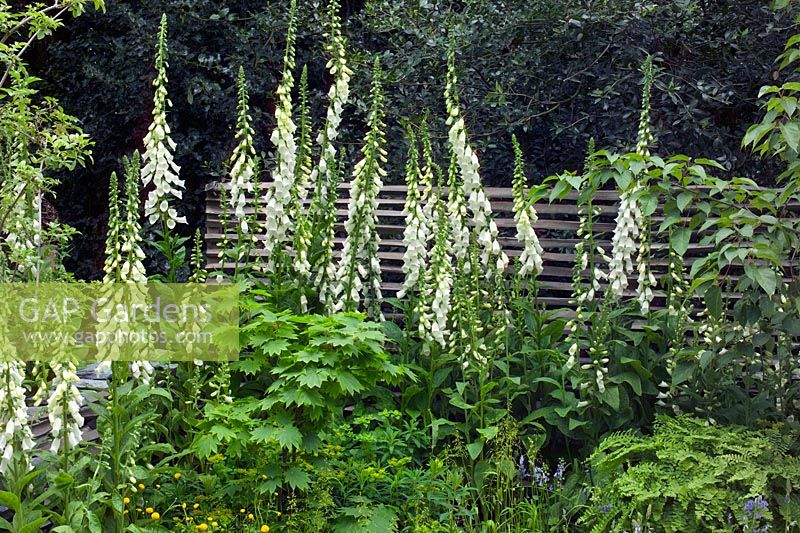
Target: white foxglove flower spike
159, 167
243, 159
415, 235
279, 195
15, 431
525, 216
359, 271
493, 259
63, 408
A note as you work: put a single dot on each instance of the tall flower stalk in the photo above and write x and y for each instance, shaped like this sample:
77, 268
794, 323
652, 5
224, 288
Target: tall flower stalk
301, 243
359, 270
457, 213
530, 262
243, 159
492, 257
159, 170
645, 280
323, 173
15, 432
632, 231
63, 408
415, 235
437, 282
131, 267
279, 196
327, 173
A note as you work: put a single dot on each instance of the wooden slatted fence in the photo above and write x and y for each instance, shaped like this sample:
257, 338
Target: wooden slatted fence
557, 230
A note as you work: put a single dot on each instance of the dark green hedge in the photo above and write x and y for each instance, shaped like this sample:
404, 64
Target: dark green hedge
553, 72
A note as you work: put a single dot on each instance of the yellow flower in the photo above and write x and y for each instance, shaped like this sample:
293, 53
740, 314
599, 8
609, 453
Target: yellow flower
196, 506
278, 514
250, 516
215, 524
264, 529
149, 510
141, 486
155, 516
202, 527
126, 500
242, 511
183, 505
177, 476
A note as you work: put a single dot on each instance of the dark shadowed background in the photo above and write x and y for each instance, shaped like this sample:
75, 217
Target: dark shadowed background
554, 72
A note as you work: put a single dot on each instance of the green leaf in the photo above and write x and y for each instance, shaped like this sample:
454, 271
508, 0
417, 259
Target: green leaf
275, 346
791, 133
474, 449
683, 200
297, 478
764, 276
249, 366
488, 433
222, 433
714, 301
9, 500
205, 445
34, 526
289, 436
682, 373
349, 383
680, 239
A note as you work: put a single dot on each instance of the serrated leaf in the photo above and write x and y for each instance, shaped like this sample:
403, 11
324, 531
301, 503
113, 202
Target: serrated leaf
205, 445
297, 478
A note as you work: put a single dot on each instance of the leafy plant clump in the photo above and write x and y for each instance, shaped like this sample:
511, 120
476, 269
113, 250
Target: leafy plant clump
690, 476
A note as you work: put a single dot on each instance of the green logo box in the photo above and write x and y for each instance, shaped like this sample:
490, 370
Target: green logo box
89, 322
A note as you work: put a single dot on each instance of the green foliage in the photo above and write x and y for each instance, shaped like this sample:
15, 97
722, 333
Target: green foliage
690, 476
292, 384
